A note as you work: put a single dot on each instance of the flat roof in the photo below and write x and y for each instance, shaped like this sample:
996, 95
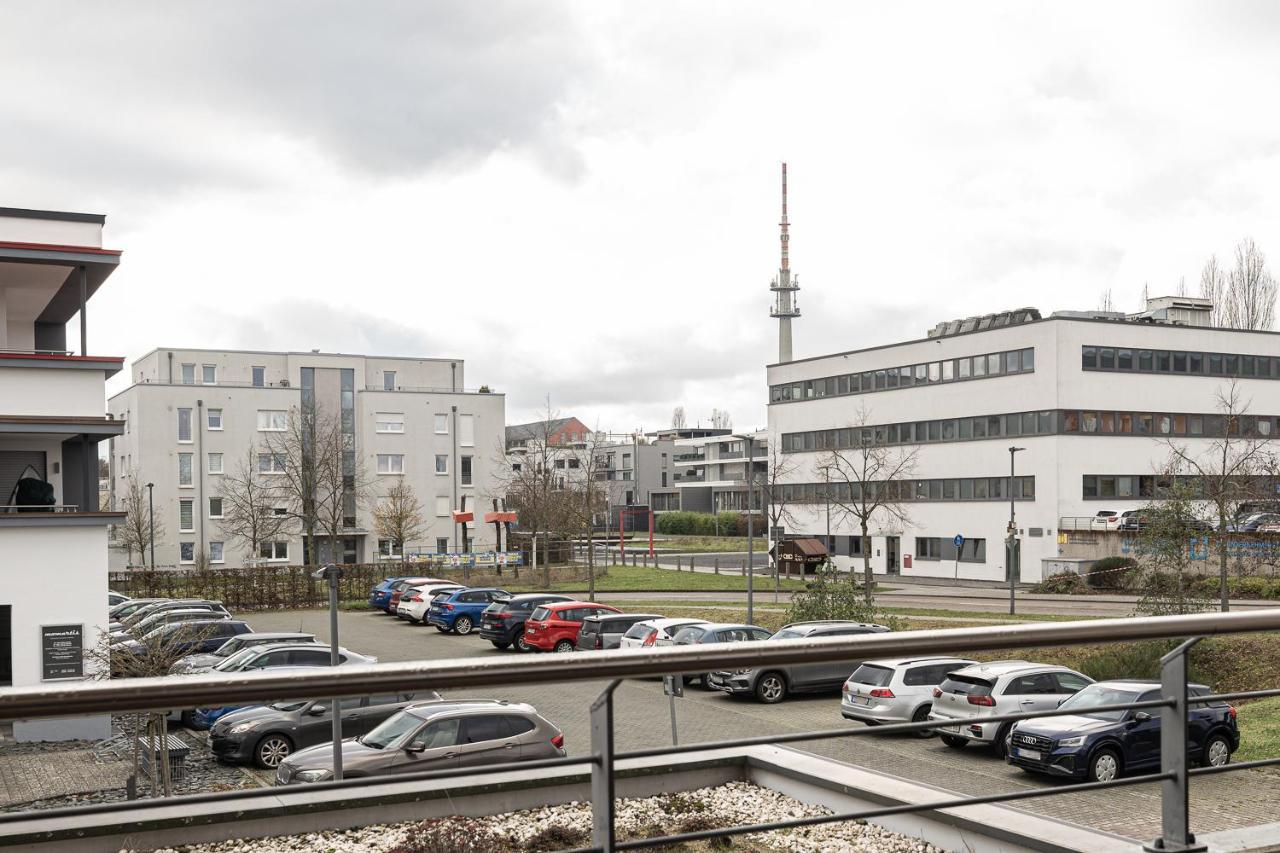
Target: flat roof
442, 359
55, 215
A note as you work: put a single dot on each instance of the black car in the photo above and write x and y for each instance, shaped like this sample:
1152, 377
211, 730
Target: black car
267, 734
502, 622
161, 606
175, 639
1099, 746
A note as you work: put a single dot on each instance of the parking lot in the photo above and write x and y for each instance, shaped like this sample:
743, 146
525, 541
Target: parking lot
1226, 801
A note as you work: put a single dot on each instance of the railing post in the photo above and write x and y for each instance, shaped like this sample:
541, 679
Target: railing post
1175, 809
602, 770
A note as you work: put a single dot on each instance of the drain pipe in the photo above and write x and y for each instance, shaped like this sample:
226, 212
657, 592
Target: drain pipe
453, 376
202, 503
170, 368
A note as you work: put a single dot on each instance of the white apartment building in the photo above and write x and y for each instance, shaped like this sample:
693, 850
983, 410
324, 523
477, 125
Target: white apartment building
193, 415
1093, 400
52, 416
711, 473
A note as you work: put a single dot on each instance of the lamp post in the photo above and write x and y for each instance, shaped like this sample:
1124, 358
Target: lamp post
333, 573
1012, 553
751, 533
151, 522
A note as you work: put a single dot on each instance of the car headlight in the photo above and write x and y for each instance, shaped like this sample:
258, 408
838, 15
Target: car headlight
313, 775
1072, 741
239, 728
742, 672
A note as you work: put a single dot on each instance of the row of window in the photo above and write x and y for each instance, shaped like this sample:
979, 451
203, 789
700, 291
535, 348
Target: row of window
938, 489
1157, 486
209, 374
907, 376
277, 420
1235, 365
1047, 422
940, 548
275, 463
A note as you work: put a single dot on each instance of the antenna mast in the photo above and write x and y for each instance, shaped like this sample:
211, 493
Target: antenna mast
784, 286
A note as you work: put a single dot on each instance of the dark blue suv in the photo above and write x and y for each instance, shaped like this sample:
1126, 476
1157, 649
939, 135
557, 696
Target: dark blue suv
1098, 746
459, 610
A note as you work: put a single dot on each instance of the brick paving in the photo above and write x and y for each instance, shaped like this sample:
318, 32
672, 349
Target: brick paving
26, 776
1227, 801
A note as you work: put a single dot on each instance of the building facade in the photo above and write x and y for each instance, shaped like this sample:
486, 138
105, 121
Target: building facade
52, 417
1093, 402
199, 415
711, 473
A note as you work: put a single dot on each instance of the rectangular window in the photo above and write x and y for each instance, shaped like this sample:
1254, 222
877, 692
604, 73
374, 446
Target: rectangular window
1195, 363
188, 374
1145, 360
928, 548
186, 552
979, 366
259, 377
271, 463
963, 368
973, 551
948, 371
216, 553
274, 551
388, 422
215, 507
442, 463
209, 374
442, 544
1090, 486
215, 463
272, 420
1107, 358
1013, 361
390, 463
1088, 358
442, 424
215, 419
467, 430
1163, 361
464, 470
184, 469
1028, 360
1179, 362
186, 519
388, 380
1124, 359
993, 364
442, 506
184, 426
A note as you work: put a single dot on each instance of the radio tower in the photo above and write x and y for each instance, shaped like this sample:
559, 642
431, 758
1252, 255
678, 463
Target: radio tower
784, 286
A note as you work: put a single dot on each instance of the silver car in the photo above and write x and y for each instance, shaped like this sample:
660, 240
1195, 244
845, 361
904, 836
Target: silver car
655, 632
437, 735
205, 662
896, 690
1001, 687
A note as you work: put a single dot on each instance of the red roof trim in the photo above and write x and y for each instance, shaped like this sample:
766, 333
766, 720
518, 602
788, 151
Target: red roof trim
56, 247
53, 356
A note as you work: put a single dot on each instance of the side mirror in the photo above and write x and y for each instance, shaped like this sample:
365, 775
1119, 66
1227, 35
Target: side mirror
1141, 717
415, 748
317, 710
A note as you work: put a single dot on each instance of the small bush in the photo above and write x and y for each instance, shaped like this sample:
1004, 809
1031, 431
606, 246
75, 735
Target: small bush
454, 835
1114, 573
1135, 660
704, 524
829, 595
1063, 583
556, 837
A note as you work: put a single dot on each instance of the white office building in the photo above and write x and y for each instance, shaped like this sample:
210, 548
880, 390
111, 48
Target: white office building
1092, 399
193, 415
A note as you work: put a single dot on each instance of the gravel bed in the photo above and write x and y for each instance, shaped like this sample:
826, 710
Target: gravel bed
558, 827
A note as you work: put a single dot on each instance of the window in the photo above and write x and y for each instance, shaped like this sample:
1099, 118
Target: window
188, 374
186, 552
442, 463
216, 553
209, 374
215, 507
259, 377
464, 470
215, 419
390, 463
442, 544
274, 550
215, 463
388, 380
272, 420
184, 426
442, 424
184, 469
973, 551
271, 463
186, 523
928, 548
443, 506
388, 422
467, 430
387, 548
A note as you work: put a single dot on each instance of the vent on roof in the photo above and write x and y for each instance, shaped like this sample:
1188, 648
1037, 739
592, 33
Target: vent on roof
984, 322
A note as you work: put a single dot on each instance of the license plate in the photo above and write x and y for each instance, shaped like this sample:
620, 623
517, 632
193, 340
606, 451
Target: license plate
955, 730
1029, 754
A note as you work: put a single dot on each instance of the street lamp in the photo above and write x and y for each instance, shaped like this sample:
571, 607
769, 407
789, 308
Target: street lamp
333, 573
751, 533
151, 523
1012, 553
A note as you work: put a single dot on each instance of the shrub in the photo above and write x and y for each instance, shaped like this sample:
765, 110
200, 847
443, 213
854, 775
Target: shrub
1113, 573
452, 835
556, 837
1134, 660
1063, 583
828, 595
703, 524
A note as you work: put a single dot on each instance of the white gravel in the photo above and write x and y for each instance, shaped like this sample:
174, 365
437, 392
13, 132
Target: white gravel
727, 805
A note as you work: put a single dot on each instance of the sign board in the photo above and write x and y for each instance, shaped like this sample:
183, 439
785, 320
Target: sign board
958, 541
61, 652
673, 685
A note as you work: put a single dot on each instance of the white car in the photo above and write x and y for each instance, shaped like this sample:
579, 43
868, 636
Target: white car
896, 690
655, 632
416, 600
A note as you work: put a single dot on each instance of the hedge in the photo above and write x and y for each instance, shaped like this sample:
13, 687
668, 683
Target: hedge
706, 524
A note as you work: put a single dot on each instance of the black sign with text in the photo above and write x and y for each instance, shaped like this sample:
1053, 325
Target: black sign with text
61, 651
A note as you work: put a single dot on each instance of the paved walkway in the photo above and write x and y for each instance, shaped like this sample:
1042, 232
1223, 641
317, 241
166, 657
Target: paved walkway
26, 776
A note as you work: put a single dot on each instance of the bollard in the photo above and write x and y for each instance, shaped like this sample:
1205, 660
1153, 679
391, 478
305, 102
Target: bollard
744, 569
717, 565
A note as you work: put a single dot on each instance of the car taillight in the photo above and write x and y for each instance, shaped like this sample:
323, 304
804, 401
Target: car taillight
599, 644
650, 638
415, 598
882, 693
558, 741
985, 701
937, 692
1231, 711
448, 607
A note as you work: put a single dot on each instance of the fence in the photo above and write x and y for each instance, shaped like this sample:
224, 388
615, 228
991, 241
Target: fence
192, 691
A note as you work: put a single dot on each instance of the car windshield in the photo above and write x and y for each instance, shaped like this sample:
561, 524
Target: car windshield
876, 676
788, 634
965, 685
236, 661
391, 729
1099, 694
229, 648
290, 705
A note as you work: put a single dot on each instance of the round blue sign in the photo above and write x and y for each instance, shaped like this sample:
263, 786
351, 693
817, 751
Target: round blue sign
958, 541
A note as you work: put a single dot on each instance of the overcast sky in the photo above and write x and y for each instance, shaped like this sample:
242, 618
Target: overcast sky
581, 199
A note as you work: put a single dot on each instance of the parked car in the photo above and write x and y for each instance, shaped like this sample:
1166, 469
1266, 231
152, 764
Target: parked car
554, 627
1251, 523
896, 690
655, 632
605, 630
1132, 519
127, 608
715, 632
502, 623
114, 598
772, 684
1105, 519
434, 736
164, 617
1002, 687
399, 587
160, 606
206, 661
459, 610
416, 600
133, 657
267, 734
1098, 746
204, 718
380, 595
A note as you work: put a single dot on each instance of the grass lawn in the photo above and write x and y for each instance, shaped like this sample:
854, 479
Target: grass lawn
1259, 729
643, 578
701, 544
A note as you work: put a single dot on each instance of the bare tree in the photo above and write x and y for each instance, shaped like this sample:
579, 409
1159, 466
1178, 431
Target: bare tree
869, 481
678, 420
1250, 299
1182, 286
249, 505
588, 498
1213, 288
720, 419
398, 517
777, 510
136, 531
1105, 302
1230, 471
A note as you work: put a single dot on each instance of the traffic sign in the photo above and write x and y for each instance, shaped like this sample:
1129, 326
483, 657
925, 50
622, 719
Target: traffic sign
958, 541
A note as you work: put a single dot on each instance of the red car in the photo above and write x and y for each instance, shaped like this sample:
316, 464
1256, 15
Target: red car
554, 626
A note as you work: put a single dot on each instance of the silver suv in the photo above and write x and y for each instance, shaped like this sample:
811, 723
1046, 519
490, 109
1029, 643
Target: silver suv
896, 690
1000, 687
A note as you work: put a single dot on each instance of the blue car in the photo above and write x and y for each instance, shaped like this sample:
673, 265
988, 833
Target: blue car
380, 595
1098, 746
204, 718
458, 610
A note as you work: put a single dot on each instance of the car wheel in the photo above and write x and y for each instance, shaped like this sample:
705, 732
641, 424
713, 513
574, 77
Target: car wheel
771, 688
462, 625
271, 750
1217, 752
922, 716
521, 644
1104, 766
1000, 746
564, 646
442, 629
955, 741
499, 645
189, 719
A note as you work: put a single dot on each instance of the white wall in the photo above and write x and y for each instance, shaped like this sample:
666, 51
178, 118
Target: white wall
45, 391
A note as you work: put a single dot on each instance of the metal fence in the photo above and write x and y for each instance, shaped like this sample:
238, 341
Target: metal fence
121, 696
